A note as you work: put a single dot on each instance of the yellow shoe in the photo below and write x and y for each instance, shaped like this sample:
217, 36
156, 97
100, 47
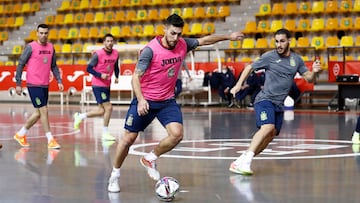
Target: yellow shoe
108, 137
21, 140
77, 120
355, 139
53, 144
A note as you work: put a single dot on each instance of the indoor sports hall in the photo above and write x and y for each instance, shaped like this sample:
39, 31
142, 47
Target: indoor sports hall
312, 160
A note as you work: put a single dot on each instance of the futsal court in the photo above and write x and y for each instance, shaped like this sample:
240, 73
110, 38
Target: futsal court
312, 160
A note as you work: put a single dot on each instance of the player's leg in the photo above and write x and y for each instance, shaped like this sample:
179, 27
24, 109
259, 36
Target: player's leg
262, 138
133, 125
20, 136
122, 151
355, 137
175, 134
107, 114
170, 116
265, 120
44, 117
102, 95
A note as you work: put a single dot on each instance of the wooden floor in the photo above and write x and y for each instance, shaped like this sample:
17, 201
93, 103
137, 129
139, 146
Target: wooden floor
312, 160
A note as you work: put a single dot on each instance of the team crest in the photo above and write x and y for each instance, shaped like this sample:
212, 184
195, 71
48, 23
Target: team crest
45, 60
129, 120
37, 101
292, 61
263, 116
103, 95
171, 72
108, 68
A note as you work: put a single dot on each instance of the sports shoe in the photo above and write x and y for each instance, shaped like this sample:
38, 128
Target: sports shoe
356, 148
114, 185
77, 120
150, 167
21, 140
242, 168
53, 144
108, 137
355, 139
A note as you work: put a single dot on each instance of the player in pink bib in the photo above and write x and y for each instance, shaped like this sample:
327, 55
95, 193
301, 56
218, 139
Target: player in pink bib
40, 58
102, 65
153, 83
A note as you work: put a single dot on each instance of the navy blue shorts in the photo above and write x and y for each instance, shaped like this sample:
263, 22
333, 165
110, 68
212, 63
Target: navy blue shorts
165, 111
39, 96
268, 113
102, 94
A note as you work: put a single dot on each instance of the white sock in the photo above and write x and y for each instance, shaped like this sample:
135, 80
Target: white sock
240, 158
249, 155
105, 129
115, 172
245, 157
22, 131
82, 116
49, 136
151, 156
355, 133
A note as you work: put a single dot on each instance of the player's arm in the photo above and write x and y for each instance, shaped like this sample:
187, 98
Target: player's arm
141, 66
239, 84
186, 69
20, 67
90, 67
55, 68
56, 72
211, 39
21, 64
310, 76
117, 70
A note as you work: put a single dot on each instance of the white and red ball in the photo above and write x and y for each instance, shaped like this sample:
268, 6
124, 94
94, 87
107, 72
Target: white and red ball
166, 188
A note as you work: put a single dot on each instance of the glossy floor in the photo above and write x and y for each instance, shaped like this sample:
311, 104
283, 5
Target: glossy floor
312, 160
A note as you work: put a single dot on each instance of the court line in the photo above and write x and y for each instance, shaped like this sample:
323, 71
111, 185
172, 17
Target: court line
135, 146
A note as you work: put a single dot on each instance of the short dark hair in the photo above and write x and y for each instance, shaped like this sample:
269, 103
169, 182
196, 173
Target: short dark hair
108, 35
175, 20
283, 31
42, 26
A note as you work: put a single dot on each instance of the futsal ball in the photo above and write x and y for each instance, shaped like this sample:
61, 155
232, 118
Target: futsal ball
166, 188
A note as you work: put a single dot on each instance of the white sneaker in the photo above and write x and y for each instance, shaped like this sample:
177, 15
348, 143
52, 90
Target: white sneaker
151, 169
108, 137
241, 166
242, 169
114, 185
355, 139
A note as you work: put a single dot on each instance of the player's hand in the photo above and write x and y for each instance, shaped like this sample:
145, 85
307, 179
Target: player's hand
316, 66
18, 90
104, 76
116, 80
234, 90
142, 107
236, 36
61, 87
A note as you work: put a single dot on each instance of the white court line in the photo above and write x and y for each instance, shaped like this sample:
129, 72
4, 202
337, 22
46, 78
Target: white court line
135, 146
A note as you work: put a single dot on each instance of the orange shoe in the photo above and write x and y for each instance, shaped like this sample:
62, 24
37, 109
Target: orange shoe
53, 144
21, 140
